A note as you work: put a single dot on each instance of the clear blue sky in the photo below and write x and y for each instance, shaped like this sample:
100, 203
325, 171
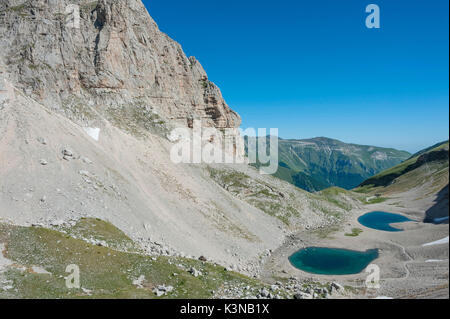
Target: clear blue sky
312, 68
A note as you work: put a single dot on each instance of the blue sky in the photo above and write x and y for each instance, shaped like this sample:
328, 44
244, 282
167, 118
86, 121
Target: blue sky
312, 68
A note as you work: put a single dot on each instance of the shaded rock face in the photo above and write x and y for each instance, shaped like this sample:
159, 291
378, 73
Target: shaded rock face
117, 60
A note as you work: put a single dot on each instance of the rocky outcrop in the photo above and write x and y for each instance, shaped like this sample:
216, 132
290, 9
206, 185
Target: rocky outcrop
115, 63
80, 111
84, 120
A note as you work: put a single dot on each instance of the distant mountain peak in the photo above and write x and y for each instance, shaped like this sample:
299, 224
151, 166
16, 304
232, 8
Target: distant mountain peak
317, 163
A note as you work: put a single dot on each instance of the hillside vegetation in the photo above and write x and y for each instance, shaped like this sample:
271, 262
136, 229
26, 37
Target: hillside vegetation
433, 159
319, 163
421, 183
36, 260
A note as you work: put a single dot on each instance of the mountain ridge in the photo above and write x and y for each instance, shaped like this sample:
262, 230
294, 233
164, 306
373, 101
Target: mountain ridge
424, 177
117, 59
112, 75
436, 153
114, 203
317, 163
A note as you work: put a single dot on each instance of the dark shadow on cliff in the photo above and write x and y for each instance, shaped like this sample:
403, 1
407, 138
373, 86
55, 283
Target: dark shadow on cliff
438, 213
386, 180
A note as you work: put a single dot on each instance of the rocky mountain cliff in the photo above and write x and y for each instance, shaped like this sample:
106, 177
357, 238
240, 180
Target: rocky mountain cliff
86, 176
113, 63
84, 117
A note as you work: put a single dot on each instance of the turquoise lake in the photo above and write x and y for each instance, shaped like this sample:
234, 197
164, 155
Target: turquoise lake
382, 221
332, 261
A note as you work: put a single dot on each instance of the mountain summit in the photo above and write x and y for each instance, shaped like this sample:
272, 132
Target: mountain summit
86, 106
89, 91
318, 163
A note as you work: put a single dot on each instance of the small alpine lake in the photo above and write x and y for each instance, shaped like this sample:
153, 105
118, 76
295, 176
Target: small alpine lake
332, 261
382, 221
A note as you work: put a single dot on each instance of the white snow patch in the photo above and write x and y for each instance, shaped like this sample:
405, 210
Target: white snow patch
4, 262
93, 132
138, 282
434, 260
87, 291
40, 270
383, 297
437, 242
9, 287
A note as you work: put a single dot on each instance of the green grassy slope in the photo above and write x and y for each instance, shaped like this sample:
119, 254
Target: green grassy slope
105, 271
436, 147
432, 158
319, 163
299, 179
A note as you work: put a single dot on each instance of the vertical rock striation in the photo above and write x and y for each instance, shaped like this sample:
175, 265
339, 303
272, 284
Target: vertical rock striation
116, 64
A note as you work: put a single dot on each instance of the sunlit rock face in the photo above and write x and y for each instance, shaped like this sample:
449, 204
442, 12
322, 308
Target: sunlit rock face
110, 60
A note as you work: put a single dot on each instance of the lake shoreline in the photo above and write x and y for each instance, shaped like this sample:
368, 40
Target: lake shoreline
406, 270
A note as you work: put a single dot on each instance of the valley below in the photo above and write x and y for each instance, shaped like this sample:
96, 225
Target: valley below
88, 181
413, 254
408, 269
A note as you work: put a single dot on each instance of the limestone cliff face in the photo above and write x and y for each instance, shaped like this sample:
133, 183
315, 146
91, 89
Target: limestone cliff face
116, 64
118, 68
